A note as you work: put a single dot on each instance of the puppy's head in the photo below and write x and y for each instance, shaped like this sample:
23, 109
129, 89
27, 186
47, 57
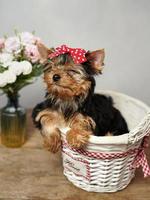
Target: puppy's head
67, 80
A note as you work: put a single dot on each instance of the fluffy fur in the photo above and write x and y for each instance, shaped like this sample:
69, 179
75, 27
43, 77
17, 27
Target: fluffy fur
70, 94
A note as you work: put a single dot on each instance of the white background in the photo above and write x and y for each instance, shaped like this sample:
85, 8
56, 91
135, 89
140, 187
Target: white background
122, 27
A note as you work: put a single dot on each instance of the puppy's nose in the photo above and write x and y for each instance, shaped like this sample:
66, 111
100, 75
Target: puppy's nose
56, 77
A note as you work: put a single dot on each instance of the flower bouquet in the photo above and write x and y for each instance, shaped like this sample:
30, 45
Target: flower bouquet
19, 67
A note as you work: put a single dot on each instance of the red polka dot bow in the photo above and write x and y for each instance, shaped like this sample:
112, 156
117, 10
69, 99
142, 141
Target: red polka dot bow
77, 54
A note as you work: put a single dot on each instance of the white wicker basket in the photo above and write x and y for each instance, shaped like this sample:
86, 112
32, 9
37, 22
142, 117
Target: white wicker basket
106, 164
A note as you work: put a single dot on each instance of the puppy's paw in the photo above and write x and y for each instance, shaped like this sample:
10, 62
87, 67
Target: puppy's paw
78, 138
91, 123
83, 122
52, 142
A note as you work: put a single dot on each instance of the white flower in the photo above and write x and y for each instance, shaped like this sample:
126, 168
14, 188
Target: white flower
27, 38
26, 67
23, 67
7, 77
2, 81
12, 45
10, 76
6, 59
15, 67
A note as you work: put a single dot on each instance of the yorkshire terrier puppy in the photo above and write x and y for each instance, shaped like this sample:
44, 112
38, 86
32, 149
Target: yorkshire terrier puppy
71, 101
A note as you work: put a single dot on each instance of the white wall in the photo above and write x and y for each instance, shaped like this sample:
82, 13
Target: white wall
122, 27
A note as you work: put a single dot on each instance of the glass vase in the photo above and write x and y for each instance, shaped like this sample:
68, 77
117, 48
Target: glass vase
13, 123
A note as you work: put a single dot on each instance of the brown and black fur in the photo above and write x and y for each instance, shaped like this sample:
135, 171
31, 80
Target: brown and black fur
71, 101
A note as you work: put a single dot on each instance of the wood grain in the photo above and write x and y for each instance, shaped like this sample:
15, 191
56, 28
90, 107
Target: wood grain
32, 173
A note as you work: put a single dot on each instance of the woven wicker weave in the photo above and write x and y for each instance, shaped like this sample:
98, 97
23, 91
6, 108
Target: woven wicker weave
91, 169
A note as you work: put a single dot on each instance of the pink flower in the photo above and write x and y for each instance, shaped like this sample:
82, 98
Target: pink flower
2, 43
27, 38
32, 53
37, 39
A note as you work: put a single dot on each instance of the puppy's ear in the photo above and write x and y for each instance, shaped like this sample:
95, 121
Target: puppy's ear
44, 52
96, 60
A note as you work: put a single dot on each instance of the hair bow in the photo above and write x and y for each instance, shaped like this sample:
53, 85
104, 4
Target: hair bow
77, 54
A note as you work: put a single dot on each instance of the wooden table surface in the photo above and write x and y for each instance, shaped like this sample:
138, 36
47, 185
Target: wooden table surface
32, 173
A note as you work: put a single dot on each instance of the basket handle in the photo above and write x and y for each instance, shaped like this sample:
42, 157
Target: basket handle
143, 129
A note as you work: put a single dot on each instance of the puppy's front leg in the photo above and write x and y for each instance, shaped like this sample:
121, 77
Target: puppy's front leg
50, 121
81, 129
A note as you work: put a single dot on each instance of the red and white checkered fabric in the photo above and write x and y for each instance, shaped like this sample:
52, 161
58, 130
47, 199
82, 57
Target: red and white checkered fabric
140, 158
